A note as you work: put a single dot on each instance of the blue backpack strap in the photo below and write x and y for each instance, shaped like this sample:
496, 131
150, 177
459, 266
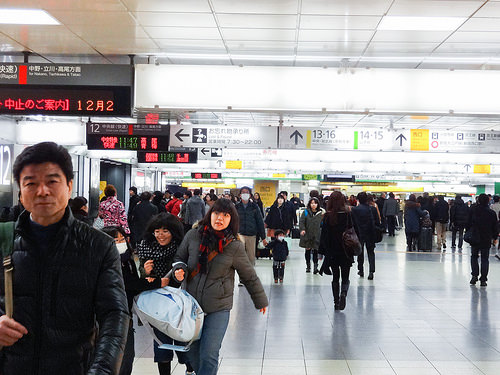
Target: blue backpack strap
7, 238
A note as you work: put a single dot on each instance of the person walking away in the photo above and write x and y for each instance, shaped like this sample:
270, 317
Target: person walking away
159, 202
459, 218
213, 252
365, 218
412, 215
310, 228
80, 210
441, 216
112, 211
390, 211
133, 201
251, 223
182, 215
335, 222
485, 223
290, 207
133, 286
278, 217
164, 233
67, 279
279, 248
142, 213
195, 209
174, 205
381, 200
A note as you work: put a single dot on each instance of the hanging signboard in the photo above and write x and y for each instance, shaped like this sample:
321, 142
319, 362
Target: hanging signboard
167, 157
223, 136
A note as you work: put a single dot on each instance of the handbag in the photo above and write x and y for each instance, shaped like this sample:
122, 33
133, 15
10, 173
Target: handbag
350, 240
378, 230
471, 236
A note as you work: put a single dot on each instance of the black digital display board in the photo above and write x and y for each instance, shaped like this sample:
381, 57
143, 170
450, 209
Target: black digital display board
169, 157
206, 176
339, 178
65, 100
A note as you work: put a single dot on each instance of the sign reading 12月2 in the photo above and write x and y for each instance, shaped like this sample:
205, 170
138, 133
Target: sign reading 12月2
6, 152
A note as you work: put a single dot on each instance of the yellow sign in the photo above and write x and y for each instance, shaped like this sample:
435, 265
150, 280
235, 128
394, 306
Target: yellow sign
482, 168
102, 186
267, 191
234, 164
420, 139
195, 185
279, 175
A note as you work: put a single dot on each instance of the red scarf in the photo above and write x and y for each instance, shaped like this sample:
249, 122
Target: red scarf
208, 235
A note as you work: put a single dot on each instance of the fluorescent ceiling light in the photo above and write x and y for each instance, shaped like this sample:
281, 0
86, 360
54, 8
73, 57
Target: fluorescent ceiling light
26, 17
420, 23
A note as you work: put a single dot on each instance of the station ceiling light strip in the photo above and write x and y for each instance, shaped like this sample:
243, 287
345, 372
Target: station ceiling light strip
26, 17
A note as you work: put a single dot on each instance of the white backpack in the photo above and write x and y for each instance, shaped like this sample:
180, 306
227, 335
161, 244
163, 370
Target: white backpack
172, 311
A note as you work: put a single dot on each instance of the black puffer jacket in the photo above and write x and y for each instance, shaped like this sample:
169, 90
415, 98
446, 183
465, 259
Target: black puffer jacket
485, 221
441, 211
279, 217
365, 218
251, 222
59, 296
459, 213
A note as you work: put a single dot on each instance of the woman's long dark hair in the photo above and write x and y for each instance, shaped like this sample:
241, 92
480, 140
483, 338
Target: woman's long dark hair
315, 200
113, 232
167, 221
222, 205
336, 203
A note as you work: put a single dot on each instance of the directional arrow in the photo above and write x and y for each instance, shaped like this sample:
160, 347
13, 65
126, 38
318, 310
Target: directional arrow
179, 135
205, 151
220, 162
296, 134
401, 137
467, 167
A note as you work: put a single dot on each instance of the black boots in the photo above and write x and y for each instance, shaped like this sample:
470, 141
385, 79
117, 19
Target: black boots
343, 294
164, 368
315, 271
336, 294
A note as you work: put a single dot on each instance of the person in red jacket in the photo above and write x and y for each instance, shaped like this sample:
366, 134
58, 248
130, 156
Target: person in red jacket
174, 205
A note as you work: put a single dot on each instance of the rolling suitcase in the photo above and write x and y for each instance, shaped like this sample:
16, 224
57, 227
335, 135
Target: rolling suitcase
425, 239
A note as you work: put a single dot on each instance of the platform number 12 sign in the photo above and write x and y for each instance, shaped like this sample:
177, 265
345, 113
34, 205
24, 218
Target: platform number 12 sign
6, 164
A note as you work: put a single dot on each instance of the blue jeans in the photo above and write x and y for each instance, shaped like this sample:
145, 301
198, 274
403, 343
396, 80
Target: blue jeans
204, 353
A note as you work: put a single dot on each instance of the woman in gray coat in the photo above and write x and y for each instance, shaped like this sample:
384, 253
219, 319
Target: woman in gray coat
212, 252
310, 231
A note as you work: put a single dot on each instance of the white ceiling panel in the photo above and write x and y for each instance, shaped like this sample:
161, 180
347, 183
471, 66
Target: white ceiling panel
175, 19
410, 36
194, 61
128, 46
339, 22
259, 34
323, 47
70, 17
258, 21
470, 47
256, 6
183, 32
188, 46
187, 6
481, 24
346, 7
401, 47
475, 37
490, 9
93, 5
238, 46
335, 35
9, 45
105, 34
433, 8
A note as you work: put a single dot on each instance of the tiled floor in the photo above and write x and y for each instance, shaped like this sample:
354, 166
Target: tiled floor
419, 316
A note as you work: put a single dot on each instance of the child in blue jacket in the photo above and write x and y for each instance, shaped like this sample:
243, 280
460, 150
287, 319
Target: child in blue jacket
279, 248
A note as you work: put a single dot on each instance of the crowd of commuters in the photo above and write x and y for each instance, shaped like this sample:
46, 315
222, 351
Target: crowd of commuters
80, 322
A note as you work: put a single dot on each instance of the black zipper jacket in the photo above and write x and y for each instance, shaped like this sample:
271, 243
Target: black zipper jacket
60, 296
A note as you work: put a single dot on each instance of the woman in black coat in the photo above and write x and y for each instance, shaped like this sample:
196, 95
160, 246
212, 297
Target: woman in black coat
279, 217
335, 222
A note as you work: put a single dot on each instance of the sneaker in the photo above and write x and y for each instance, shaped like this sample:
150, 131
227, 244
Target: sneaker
240, 284
190, 372
473, 281
361, 274
281, 281
483, 283
370, 276
276, 281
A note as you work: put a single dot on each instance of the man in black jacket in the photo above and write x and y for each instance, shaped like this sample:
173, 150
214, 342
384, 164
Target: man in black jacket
67, 279
484, 222
459, 218
365, 219
441, 215
251, 222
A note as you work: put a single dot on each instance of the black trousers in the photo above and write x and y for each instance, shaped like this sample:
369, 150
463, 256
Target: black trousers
460, 230
485, 262
391, 224
278, 270
340, 270
370, 250
314, 256
412, 240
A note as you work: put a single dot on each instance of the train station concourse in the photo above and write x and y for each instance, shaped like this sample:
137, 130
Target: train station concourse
307, 97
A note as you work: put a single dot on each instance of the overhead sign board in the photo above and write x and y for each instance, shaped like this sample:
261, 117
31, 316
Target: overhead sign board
65, 89
167, 157
223, 136
376, 139
134, 137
